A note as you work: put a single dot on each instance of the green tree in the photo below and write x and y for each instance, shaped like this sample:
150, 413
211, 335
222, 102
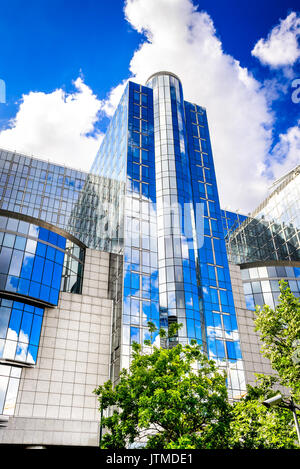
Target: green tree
253, 425
167, 400
280, 333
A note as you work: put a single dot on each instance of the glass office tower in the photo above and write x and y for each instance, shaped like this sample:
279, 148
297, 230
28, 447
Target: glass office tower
163, 226
231, 221
38, 258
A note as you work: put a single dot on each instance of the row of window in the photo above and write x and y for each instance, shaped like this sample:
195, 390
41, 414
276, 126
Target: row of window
9, 385
278, 271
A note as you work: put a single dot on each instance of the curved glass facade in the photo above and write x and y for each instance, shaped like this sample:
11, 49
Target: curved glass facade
231, 221
33, 260
261, 283
272, 232
175, 266
36, 263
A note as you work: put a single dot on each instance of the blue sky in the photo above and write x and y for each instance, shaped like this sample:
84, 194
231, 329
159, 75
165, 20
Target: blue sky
47, 45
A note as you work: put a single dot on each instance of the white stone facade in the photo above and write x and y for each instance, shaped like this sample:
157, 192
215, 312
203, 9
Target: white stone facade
55, 403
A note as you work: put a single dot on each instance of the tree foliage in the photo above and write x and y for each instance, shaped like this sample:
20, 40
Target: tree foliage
165, 400
280, 333
253, 426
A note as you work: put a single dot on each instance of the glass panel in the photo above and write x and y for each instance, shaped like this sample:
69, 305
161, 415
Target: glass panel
3, 388
4, 319
11, 396
256, 287
268, 300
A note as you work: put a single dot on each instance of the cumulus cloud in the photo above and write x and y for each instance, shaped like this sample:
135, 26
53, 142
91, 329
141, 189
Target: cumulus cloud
58, 126
178, 38
184, 41
281, 48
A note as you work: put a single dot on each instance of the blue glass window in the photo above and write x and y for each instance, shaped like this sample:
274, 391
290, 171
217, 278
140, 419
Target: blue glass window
135, 282
227, 322
297, 272
231, 352
48, 271
29, 263
5, 257
220, 348
250, 302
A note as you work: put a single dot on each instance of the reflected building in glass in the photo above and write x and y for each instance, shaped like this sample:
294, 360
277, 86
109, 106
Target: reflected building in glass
263, 249
164, 219
55, 314
87, 259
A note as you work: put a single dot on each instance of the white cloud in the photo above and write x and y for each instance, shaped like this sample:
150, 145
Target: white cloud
286, 152
281, 48
184, 41
110, 104
58, 126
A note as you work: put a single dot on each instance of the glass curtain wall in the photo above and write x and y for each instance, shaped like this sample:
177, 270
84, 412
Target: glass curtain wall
108, 172
140, 298
42, 190
223, 343
261, 283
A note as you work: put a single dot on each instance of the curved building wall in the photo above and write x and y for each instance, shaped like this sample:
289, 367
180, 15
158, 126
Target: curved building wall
272, 232
55, 349
194, 280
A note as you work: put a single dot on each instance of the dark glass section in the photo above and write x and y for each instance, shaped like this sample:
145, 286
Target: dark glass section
20, 329
9, 385
214, 279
